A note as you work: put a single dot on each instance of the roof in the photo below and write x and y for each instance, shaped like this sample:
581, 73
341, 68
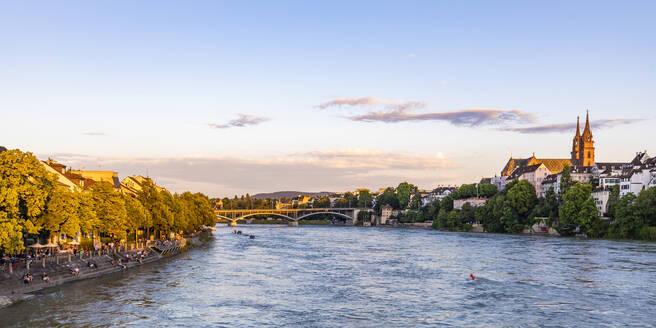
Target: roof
524, 169
98, 176
551, 178
555, 165
2, 149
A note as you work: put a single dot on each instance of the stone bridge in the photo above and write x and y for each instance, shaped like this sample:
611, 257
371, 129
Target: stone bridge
350, 215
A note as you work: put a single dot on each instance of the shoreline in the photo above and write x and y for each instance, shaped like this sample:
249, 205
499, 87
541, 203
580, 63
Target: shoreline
21, 292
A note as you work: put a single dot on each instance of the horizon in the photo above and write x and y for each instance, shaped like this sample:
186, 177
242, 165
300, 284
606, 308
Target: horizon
231, 98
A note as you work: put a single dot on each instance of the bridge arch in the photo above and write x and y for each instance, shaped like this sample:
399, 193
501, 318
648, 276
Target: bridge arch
317, 213
272, 214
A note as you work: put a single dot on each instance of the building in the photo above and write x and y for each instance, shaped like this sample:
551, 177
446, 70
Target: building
59, 170
386, 213
583, 151
132, 185
601, 201
534, 174
91, 177
582, 154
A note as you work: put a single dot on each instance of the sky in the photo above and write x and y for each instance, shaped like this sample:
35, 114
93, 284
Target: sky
240, 97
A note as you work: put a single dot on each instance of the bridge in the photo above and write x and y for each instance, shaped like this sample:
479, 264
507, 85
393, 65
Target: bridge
292, 215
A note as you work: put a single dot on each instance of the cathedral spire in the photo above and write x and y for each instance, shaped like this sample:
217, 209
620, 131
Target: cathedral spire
587, 131
578, 129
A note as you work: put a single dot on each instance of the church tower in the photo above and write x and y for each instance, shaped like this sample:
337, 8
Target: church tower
576, 144
586, 145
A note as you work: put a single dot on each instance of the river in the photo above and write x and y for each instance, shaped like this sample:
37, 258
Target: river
318, 276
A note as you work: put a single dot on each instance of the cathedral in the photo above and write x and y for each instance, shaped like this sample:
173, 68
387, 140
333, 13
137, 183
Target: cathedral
582, 155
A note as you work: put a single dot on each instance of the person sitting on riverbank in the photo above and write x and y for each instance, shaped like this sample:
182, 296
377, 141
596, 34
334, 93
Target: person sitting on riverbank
46, 278
27, 278
75, 271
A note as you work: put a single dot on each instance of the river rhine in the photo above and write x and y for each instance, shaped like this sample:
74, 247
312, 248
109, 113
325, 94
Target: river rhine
365, 277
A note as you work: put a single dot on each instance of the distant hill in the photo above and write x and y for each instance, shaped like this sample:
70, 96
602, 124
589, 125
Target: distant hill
290, 194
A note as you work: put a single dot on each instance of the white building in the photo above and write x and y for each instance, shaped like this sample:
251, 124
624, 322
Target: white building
601, 201
534, 174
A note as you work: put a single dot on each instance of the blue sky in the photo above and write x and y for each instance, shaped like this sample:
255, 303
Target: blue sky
152, 86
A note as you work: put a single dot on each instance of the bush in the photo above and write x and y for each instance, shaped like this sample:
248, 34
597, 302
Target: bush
466, 227
647, 233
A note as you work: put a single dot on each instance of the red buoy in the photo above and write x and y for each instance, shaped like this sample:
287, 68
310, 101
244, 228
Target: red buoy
471, 275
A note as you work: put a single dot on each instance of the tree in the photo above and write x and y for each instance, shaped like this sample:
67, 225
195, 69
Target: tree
467, 213
613, 199
466, 191
62, 213
25, 186
89, 222
387, 197
110, 209
137, 215
447, 203
403, 192
416, 201
566, 179
646, 206
487, 190
365, 199
578, 210
323, 202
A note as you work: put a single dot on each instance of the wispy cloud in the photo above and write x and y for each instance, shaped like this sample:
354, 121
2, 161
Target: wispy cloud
569, 127
242, 121
467, 117
318, 170
372, 101
412, 56
389, 111
94, 134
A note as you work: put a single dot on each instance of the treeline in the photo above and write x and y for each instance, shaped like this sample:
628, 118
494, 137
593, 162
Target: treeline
33, 204
349, 199
570, 212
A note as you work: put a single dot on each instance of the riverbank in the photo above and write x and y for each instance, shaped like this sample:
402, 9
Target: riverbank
13, 289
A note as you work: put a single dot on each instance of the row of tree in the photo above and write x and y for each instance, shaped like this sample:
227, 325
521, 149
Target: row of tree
33, 203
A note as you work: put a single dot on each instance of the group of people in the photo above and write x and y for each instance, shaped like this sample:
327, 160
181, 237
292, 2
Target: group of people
27, 278
238, 232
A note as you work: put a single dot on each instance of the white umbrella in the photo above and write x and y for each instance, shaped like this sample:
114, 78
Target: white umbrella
50, 245
37, 245
74, 243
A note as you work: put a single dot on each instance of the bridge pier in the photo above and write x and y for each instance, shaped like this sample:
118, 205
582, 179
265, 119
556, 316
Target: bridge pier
293, 224
232, 224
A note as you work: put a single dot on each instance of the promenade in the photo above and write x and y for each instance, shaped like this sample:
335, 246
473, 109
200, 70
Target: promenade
69, 268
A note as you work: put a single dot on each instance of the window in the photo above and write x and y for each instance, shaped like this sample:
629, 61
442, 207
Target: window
588, 154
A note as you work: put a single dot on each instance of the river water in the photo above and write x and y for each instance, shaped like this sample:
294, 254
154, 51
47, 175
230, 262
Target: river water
366, 277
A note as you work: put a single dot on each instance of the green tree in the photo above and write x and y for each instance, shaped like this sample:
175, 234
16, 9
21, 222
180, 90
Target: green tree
566, 179
487, 190
323, 202
403, 192
387, 197
578, 210
613, 199
110, 209
416, 202
646, 206
466, 191
25, 186
365, 199
62, 213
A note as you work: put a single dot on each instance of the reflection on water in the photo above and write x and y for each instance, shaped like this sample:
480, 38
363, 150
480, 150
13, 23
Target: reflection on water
366, 277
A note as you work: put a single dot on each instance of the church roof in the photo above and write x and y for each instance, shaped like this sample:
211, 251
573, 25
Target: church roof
524, 169
555, 165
